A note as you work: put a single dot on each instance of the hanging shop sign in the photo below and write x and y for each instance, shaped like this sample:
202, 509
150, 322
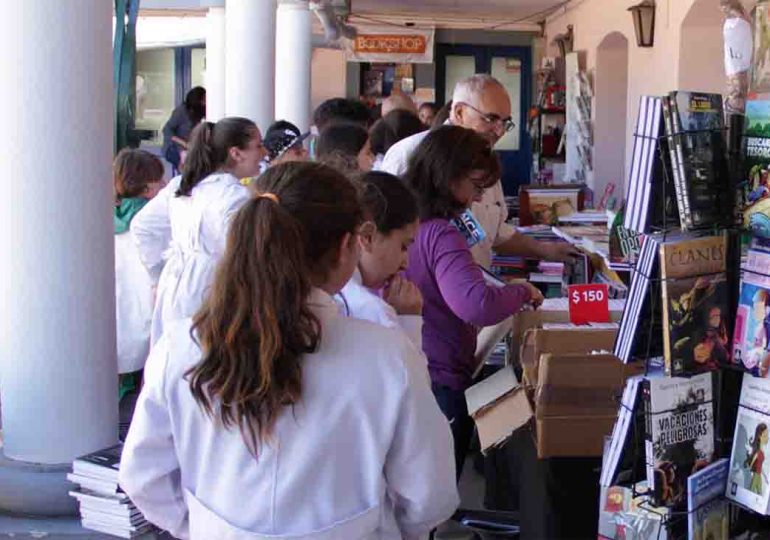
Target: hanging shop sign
410, 45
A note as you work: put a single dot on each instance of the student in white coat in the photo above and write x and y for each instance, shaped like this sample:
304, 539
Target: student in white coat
181, 233
390, 210
137, 177
275, 417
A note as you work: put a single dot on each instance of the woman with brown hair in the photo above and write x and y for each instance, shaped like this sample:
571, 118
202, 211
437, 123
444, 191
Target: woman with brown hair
451, 169
272, 414
181, 232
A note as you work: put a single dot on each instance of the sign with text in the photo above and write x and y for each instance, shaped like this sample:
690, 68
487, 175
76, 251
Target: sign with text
589, 303
410, 45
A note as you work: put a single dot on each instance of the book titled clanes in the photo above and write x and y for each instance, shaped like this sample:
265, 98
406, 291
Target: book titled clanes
695, 304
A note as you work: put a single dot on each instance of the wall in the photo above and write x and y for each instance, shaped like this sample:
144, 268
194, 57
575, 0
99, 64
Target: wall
328, 75
698, 47
653, 70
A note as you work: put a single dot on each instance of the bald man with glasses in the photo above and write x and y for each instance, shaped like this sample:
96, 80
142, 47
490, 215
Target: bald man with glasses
482, 104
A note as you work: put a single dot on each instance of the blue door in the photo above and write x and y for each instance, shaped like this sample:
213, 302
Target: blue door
512, 66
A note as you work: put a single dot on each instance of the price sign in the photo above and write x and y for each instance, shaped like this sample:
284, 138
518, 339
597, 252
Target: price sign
589, 303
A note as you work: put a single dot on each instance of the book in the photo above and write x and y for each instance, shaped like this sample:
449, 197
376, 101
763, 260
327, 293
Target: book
679, 418
751, 337
748, 482
101, 465
695, 304
622, 433
756, 168
640, 334
544, 205
708, 513
651, 198
701, 178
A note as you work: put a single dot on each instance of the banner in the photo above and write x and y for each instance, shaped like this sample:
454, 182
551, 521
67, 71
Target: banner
391, 44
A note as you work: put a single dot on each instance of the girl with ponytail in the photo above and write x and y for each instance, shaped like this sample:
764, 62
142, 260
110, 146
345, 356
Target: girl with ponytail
181, 232
269, 395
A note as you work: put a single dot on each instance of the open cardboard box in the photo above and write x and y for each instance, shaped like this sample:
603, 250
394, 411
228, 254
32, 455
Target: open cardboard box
574, 402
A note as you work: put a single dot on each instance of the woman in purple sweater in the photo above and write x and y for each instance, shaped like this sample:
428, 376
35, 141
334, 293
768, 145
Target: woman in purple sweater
449, 170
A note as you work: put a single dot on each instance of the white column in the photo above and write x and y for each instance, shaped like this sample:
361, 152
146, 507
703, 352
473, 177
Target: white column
293, 54
215, 64
58, 367
250, 60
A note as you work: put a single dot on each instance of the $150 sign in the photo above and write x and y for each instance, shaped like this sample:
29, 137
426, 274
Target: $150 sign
589, 303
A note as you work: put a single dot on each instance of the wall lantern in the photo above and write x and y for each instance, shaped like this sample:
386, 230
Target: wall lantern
565, 42
644, 22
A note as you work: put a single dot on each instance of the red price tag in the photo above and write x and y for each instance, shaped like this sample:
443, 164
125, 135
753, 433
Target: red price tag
589, 303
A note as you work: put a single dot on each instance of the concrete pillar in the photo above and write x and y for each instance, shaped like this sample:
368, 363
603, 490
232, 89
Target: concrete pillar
58, 368
293, 55
215, 64
250, 60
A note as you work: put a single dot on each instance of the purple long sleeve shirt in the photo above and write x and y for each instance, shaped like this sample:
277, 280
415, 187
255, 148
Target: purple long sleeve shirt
457, 300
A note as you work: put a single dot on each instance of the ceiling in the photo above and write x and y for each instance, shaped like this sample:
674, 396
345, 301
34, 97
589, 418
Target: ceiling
505, 14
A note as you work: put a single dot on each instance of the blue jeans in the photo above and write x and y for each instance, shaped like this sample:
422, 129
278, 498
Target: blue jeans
452, 404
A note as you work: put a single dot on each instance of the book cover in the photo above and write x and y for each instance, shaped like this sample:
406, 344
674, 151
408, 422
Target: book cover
698, 125
707, 510
756, 166
679, 419
749, 471
751, 340
695, 304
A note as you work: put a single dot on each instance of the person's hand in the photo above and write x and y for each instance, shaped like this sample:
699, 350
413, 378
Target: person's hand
404, 296
535, 296
560, 252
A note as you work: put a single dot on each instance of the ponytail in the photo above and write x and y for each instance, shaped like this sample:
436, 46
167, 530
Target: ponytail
210, 148
255, 324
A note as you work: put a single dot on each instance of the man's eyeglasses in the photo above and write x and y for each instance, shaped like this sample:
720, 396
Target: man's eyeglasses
506, 124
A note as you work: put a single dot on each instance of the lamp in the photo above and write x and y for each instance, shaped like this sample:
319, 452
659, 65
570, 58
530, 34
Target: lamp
565, 42
644, 22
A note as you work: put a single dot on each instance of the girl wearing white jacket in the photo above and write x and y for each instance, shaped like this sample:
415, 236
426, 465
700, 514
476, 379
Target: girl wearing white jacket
181, 233
390, 210
137, 177
279, 418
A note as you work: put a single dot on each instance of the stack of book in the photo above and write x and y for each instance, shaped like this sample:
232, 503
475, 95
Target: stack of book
104, 507
698, 152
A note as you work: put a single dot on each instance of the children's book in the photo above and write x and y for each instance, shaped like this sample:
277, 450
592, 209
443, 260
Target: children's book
708, 512
749, 480
756, 167
696, 304
679, 417
751, 339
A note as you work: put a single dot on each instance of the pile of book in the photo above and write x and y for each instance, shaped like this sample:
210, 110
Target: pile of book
104, 507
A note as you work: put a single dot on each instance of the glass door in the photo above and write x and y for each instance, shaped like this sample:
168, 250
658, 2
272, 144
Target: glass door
512, 66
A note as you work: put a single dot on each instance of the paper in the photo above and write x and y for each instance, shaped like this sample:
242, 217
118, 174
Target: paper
738, 46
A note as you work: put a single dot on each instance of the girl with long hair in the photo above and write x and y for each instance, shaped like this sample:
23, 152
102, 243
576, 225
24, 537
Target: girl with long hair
756, 458
390, 210
271, 415
181, 233
451, 169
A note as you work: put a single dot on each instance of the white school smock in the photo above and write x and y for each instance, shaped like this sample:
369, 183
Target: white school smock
361, 303
365, 455
181, 239
133, 305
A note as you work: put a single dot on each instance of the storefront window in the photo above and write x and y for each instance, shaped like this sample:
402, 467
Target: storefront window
154, 89
458, 68
198, 67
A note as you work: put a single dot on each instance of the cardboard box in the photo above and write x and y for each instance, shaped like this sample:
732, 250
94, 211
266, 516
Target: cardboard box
581, 340
527, 320
576, 403
499, 406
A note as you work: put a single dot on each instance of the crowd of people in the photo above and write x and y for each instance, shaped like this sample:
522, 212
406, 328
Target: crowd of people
309, 318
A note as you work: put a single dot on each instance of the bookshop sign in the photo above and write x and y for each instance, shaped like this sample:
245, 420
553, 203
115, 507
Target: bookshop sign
393, 45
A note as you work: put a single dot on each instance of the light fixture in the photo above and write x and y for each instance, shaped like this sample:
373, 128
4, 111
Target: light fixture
565, 42
644, 22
